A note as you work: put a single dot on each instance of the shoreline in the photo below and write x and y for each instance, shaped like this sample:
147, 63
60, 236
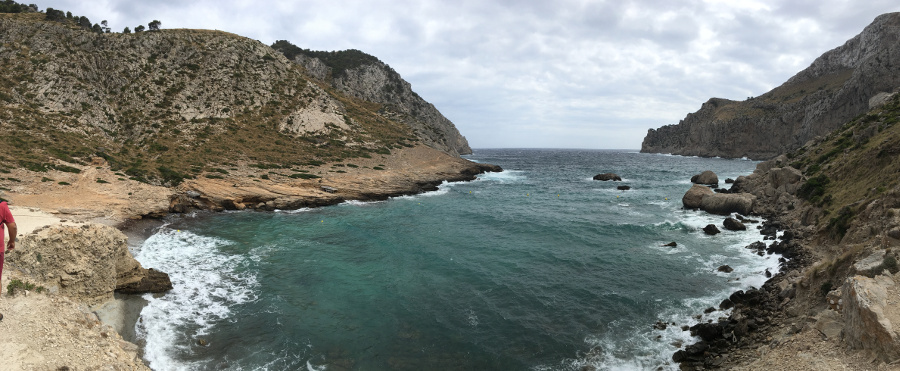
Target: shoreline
138, 210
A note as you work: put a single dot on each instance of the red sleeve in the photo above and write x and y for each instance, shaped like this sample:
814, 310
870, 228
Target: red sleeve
5, 214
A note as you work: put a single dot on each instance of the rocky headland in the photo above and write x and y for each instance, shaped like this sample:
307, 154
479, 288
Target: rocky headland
105, 129
839, 85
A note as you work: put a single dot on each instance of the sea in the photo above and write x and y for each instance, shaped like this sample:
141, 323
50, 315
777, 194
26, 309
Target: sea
538, 267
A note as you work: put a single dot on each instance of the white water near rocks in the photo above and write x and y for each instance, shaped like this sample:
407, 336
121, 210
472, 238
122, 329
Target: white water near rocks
538, 267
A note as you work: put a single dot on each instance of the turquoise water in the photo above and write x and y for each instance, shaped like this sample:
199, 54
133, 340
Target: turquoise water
538, 267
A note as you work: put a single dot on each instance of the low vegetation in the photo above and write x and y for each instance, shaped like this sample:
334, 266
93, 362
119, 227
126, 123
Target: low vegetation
839, 167
140, 112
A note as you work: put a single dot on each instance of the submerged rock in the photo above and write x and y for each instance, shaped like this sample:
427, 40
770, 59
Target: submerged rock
623, 187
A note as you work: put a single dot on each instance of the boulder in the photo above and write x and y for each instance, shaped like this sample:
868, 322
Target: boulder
725, 268
729, 180
707, 331
671, 244
711, 230
693, 198
607, 176
733, 224
727, 203
866, 315
623, 188
784, 178
86, 262
870, 265
707, 177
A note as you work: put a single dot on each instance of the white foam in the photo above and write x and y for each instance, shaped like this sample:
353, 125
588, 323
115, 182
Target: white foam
296, 211
358, 203
205, 285
650, 348
505, 176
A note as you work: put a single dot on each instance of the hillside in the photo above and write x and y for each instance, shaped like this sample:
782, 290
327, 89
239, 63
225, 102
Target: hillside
164, 106
365, 77
834, 302
835, 88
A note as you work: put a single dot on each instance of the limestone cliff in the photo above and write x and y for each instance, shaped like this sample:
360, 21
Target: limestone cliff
838, 86
363, 76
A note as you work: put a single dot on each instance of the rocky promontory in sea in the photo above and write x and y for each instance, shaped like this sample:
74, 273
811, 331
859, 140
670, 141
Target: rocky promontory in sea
839, 85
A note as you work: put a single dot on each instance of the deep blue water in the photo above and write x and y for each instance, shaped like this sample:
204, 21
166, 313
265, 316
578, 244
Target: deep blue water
538, 267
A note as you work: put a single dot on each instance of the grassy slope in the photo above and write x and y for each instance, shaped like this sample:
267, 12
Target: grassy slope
853, 165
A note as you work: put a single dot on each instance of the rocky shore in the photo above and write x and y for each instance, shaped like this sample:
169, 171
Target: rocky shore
70, 251
829, 308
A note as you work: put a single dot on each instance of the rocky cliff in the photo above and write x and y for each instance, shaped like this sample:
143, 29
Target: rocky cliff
838, 86
363, 76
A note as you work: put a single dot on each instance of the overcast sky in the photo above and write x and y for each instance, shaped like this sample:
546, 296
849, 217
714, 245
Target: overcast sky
545, 74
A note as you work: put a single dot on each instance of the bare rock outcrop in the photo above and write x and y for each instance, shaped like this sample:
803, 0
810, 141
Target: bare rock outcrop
869, 310
838, 86
363, 76
87, 262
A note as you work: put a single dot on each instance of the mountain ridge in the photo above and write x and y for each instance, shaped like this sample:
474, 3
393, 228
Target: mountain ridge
836, 87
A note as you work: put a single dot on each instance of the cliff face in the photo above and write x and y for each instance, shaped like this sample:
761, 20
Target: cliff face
367, 78
835, 88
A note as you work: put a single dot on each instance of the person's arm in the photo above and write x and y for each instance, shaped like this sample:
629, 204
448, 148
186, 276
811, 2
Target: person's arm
13, 230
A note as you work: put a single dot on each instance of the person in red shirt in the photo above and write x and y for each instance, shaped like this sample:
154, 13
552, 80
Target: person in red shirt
6, 218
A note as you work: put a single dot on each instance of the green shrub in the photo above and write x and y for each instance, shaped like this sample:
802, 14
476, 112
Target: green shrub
17, 285
303, 176
814, 188
64, 183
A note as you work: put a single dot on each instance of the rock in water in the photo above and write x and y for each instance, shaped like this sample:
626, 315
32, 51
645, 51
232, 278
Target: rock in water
623, 188
607, 176
711, 230
733, 224
671, 244
727, 203
725, 268
707, 178
693, 198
